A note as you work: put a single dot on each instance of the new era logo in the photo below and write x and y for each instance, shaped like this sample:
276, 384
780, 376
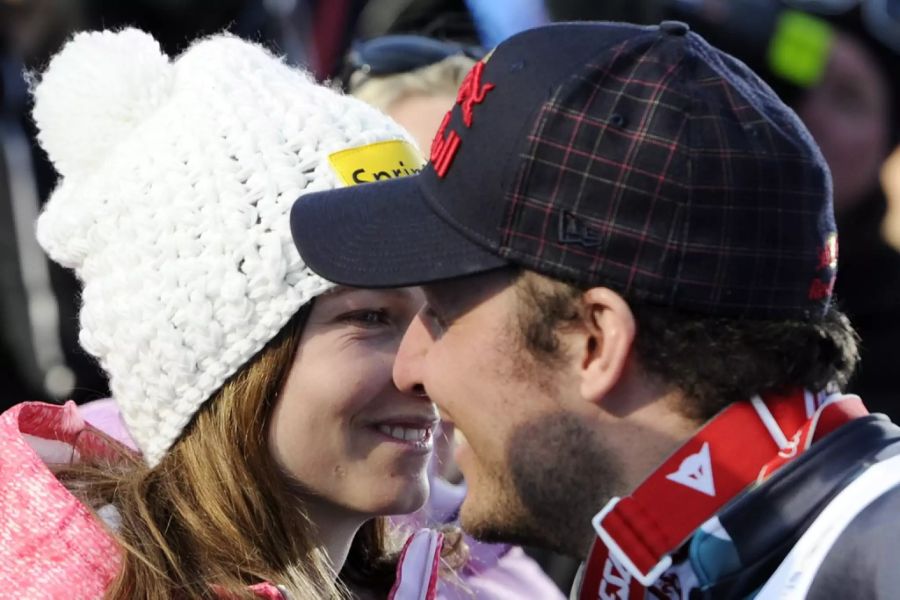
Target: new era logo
573, 230
696, 472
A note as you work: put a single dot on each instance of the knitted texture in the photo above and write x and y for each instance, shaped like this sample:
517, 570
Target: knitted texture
51, 545
177, 177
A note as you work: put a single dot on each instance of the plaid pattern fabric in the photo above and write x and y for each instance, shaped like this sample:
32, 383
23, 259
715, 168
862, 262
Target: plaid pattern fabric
639, 158
669, 172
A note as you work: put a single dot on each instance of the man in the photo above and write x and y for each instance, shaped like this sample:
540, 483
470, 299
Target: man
628, 250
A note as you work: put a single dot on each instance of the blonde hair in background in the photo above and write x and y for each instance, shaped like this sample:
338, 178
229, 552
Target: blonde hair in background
217, 514
438, 79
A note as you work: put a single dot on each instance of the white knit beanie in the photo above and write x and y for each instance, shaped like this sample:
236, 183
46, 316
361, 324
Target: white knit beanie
177, 178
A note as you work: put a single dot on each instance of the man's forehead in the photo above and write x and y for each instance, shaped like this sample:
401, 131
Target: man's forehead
471, 288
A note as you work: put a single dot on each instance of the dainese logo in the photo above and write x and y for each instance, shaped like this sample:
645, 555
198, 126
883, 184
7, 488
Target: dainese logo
616, 583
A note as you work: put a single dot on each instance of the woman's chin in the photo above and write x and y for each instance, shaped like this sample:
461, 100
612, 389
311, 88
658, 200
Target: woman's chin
401, 499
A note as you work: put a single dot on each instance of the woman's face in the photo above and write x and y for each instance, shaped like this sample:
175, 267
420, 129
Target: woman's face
340, 428
848, 115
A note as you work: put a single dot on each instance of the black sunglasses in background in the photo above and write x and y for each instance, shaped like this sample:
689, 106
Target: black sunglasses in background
392, 54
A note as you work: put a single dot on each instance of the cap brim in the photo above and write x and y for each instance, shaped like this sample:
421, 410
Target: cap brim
382, 234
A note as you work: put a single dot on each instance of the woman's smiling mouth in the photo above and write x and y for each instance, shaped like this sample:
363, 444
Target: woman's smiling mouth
415, 434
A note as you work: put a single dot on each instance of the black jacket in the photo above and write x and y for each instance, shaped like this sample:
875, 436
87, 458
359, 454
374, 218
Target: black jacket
765, 523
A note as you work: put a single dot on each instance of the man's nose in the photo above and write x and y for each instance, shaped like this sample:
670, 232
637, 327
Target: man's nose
408, 365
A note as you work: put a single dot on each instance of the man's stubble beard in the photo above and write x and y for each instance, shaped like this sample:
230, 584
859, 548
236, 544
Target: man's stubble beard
557, 473
557, 478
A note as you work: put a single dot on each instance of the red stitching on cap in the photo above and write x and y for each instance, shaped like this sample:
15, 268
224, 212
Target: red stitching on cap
819, 289
443, 149
471, 92
828, 254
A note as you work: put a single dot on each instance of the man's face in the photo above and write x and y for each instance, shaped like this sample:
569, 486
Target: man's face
528, 457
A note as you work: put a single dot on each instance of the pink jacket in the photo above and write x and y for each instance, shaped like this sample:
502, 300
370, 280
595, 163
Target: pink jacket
52, 545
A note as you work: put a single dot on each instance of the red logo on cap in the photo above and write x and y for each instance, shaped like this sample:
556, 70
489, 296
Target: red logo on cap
823, 284
471, 92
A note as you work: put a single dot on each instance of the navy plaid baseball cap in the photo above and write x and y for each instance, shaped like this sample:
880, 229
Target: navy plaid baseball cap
602, 154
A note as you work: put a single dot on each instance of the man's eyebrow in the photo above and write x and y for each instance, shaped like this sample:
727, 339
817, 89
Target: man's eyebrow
437, 291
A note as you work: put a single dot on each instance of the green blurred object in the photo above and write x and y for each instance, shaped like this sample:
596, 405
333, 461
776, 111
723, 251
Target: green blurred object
799, 49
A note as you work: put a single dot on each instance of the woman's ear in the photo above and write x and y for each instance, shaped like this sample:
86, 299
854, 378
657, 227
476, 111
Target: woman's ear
609, 335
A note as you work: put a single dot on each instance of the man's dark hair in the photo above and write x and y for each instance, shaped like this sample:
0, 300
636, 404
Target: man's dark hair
714, 361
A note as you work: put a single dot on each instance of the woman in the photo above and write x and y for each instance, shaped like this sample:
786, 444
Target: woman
271, 436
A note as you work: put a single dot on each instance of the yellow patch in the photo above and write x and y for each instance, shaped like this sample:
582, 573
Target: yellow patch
376, 162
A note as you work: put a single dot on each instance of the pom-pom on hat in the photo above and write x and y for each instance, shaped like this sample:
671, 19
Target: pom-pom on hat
177, 177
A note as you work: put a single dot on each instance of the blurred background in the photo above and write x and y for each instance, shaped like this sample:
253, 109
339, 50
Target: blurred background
834, 61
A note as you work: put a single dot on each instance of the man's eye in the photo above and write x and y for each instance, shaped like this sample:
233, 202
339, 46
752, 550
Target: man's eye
367, 318
435, 317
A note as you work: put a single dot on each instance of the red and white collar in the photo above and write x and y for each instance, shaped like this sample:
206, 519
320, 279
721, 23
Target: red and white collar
742, 445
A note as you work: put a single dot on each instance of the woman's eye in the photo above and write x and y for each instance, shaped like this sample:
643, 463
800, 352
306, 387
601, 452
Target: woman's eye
367, 318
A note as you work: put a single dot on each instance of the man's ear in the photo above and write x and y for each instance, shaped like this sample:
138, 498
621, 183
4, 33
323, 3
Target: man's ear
609, 335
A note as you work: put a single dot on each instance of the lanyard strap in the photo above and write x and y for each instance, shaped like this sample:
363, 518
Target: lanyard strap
743, 444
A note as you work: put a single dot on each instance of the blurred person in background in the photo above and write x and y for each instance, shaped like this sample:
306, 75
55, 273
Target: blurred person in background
415, 80
835, 62
40, 358
314, 34
473, 22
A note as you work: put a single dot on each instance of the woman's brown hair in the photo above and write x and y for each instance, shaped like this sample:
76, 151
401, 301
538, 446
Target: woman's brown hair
217, 514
